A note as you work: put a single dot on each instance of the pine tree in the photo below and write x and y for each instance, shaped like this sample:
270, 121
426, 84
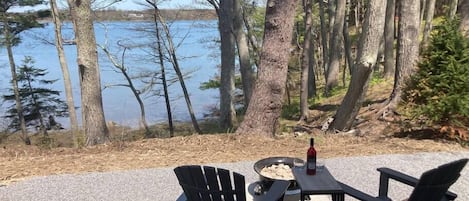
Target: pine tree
11, 25
439, 90
39, 102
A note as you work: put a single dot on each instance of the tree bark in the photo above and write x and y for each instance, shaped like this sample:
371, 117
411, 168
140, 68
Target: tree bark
332, 78
245, 67
423, 6
65, 72
313, 65
430, 10
366, 58
93, 121
453, 7
227, 112
305, 58
267, 99
324, 36
389, 61
347, 43
407, 49
463, 11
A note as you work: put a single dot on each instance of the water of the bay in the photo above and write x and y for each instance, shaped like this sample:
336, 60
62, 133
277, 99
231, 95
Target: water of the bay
196, 47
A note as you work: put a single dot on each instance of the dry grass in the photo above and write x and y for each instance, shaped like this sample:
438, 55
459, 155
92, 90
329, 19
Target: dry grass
129, 151
20, 161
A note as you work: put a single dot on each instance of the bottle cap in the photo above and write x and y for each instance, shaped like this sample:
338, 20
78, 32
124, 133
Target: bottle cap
311, 142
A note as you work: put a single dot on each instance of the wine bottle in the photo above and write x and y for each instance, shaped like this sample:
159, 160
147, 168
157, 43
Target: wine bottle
311, 159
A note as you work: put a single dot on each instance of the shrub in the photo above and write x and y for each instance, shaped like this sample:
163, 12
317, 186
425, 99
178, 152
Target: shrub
439, 90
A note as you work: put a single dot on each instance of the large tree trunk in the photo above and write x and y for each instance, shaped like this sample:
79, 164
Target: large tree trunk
332, 78
463, 11
227, 111
245, 67
267, 99
305, 58
389, 61
367, 54
430, 10
14, 81
407, 49
93, 121
65, 72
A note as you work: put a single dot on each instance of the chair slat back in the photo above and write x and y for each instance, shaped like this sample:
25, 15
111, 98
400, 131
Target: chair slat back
210, 184
434, 183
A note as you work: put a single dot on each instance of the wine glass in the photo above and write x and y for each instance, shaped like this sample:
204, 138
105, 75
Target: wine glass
298, 163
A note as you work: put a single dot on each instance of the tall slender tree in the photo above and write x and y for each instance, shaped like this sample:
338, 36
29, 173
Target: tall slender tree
245, 67
171, 49
453, 7
266, 103
407, 51
227, 70
324, 35
366, 58
305, 65
65, 71
430, 10
389, 27
159, 50
93, 120
226, 26
336, 39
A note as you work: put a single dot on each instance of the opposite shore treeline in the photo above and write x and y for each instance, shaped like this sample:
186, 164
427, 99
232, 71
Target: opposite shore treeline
143, 15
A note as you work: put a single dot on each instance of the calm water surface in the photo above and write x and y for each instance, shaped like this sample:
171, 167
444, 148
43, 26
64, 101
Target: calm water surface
195, 48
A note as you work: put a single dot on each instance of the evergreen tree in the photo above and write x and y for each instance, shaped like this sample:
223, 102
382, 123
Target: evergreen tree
439, 90
12, 24
39, 102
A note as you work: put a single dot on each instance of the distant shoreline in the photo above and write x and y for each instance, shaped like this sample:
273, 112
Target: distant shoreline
145, 15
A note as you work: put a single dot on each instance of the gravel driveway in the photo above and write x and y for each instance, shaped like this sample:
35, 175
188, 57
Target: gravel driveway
160, 184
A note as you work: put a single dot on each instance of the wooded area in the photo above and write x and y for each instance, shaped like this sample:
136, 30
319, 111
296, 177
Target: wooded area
280, 51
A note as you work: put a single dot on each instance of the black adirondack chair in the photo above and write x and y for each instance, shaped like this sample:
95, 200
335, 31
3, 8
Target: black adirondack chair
205, 183
433, 184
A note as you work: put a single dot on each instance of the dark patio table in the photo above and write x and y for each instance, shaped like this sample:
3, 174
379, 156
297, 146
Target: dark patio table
321, 183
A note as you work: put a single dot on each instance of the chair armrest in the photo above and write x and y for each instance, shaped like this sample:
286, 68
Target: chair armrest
357, 194
387, 173
276, 191
398, 176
